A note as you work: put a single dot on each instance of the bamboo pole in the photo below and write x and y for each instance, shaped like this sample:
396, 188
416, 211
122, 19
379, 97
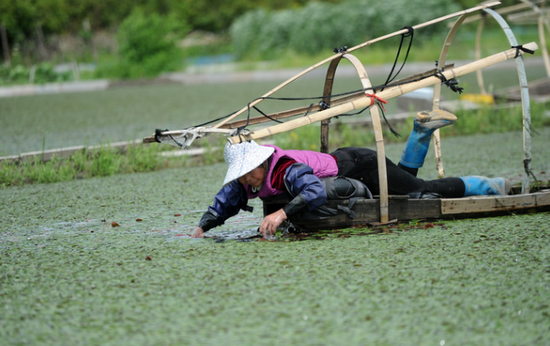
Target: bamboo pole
503, 10
379, 140
388, 93
542, 39
327, 96
436, 137
525, 101
479, 73
362, 45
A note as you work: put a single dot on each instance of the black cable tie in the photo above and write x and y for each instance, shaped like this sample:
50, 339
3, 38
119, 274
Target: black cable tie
451, 83
440, 75
523, 49
342, 49
238, 132
158, 133
324, 105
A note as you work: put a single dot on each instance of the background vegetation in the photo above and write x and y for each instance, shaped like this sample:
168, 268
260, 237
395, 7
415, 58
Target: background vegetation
105, 32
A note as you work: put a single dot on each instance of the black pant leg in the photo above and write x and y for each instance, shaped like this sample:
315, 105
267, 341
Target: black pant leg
362, 164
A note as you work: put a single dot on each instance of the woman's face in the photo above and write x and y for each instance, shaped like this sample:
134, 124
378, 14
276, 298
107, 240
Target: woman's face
254, 178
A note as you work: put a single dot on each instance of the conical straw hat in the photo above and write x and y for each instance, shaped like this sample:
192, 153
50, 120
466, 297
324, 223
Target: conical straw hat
242, 158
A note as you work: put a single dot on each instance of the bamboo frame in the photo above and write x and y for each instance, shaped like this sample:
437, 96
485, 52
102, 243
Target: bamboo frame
362, 45
522, 76
386, 94
360, 100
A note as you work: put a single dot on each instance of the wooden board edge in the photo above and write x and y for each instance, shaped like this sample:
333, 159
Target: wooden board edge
482, 204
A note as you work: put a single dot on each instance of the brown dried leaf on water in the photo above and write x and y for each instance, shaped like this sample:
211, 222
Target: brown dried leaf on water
177, 214
139, 220
148, 258
114, 224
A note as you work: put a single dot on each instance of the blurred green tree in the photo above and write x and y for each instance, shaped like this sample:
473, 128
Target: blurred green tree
147, 44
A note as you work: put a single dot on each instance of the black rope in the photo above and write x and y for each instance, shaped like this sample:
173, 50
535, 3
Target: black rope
526, 168
216, 120
267, 116
377, 87
451, 83
523, 49
393, 131
410, 34
352, 114
308, 109
343, 50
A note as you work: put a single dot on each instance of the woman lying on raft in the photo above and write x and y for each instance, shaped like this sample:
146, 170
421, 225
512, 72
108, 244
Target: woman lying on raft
265, 171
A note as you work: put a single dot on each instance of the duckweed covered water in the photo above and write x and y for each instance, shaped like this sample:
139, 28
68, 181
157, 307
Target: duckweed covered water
108, 261
33, 123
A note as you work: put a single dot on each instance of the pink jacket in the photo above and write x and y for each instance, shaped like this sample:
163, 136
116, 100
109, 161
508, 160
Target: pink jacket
323, 165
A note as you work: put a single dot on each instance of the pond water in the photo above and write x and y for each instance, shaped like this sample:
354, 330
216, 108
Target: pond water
33, 123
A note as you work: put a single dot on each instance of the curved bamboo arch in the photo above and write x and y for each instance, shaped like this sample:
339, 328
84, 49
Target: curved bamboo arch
437, 92
327, 94
525, 101
377, 126
378, 137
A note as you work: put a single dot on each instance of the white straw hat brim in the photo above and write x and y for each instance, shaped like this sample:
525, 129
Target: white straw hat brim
242, 158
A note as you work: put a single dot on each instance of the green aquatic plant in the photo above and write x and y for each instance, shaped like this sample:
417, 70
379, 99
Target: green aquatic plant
84, 163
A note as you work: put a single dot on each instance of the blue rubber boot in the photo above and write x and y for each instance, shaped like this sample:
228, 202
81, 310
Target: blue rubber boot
478, 185
425, 123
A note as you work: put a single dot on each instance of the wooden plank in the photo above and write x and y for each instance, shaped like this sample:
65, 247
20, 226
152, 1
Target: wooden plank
403, 209
493, 203
367, 211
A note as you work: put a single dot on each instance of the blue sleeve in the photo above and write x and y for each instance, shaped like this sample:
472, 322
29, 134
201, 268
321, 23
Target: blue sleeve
300, 180
227, 203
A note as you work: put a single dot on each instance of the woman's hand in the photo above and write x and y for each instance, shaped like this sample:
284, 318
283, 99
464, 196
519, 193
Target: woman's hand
198, 233
271, 222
